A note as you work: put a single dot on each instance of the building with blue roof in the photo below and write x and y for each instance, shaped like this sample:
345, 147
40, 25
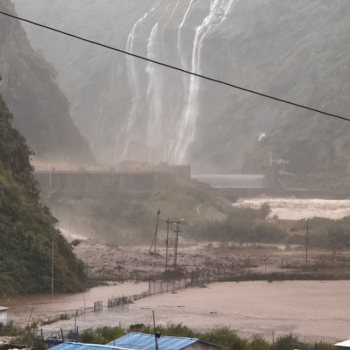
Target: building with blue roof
81, 346
141, 341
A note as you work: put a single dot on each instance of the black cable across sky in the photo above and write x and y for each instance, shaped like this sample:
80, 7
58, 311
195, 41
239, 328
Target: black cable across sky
176, 68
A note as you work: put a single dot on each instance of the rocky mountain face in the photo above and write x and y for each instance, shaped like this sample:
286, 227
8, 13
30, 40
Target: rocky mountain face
30, 90
28, 236
128, 109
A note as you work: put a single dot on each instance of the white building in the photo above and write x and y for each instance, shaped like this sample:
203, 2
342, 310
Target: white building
344, 344
3, 314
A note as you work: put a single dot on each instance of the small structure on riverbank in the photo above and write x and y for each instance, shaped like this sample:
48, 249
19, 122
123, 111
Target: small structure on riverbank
141, 341
344, 344
3, 314
81, 346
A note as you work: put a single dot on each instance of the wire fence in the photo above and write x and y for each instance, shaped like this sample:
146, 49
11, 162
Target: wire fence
156, 287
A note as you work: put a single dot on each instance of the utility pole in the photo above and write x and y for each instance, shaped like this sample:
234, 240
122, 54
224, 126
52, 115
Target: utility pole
155, 234
154, 242
52, 269
174, 153
167, 153
270, 154
84, 301
69, 219
156, 334
154, 323
177, 230
68, 206
167, 245
307, 241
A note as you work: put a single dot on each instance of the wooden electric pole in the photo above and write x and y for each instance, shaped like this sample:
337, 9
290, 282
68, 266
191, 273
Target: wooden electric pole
52, 269
167, 244
177, 231
154, 242
307, 241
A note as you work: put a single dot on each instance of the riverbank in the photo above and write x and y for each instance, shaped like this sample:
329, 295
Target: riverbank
211, 261
27, 309
316, 311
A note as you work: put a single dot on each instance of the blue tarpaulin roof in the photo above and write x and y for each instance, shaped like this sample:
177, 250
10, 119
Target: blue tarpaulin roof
80, 346
140, 341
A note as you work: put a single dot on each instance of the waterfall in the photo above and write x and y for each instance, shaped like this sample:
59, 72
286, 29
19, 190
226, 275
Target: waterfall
133, 82
163, 122
154, 98
186, 134
179, 32
228, 7
172, 13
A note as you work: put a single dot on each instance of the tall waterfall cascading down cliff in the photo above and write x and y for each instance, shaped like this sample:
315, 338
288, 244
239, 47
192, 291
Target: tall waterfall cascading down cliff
179, 131
129, 109
142, 111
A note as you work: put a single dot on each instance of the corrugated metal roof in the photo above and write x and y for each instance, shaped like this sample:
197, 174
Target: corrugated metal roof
140, 341
80, 346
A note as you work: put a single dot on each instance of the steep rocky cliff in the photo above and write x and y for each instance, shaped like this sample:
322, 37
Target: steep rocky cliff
30, 90
296, 50
27, 229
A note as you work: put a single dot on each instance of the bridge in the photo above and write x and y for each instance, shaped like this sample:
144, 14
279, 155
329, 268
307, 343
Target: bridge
123, 181
137, 181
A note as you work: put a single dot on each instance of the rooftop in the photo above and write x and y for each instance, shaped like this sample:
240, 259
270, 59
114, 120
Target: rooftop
81, 346
140, 341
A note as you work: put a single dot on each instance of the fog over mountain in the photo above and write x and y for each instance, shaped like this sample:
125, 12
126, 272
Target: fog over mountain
129, 109
29, 88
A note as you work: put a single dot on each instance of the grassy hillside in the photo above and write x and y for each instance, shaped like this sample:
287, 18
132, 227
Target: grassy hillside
27, 229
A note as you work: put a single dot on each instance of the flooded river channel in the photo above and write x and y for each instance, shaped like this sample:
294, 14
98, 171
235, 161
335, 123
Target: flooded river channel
314, 310
296, 209
25, 309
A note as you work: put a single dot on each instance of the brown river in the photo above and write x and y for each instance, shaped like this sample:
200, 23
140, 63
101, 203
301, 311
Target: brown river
296, 209
314, 310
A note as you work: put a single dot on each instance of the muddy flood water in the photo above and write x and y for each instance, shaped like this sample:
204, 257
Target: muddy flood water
296, 209
314, 310
25, 309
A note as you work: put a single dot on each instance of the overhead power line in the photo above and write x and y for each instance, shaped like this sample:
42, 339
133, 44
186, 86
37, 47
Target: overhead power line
176, 68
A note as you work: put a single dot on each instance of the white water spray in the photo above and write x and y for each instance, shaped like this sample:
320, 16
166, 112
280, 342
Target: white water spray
179, 32
227, 9
154, 90
133, 82
186, 133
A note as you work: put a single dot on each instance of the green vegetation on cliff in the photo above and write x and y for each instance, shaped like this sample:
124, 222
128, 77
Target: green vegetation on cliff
27, 229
